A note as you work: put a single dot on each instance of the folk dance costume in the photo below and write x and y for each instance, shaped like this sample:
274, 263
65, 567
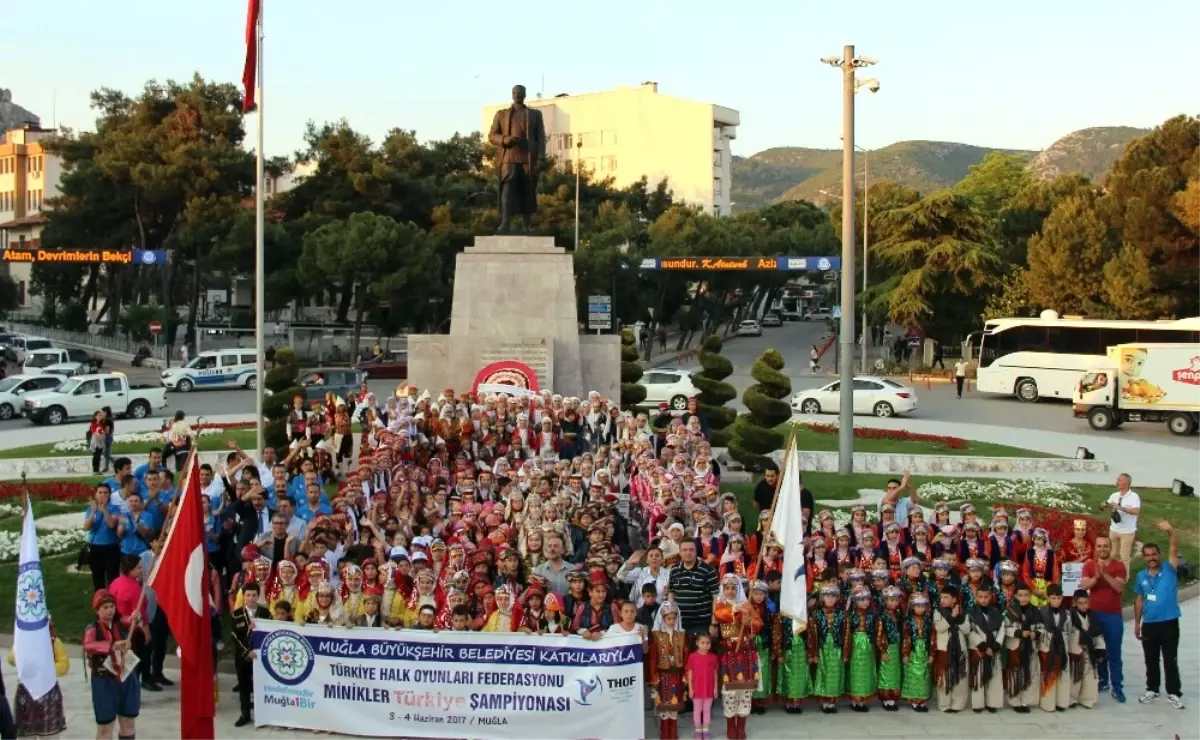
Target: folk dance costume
1086, 648
111, 697
915, 653
740, 673
283, 587
826, 633
1056, 683
888, 639
352, 592
987, 657
1023, 630
767, 642
327, 607
667, 662
950, 659
794, 683
859, 652
1006, 589
243, 631
1040, 569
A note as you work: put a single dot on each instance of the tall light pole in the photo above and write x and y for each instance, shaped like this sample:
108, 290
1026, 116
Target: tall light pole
866, 240
578, 164
848, 63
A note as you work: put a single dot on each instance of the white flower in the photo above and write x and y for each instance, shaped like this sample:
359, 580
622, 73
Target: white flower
49, 543
10, 510
81, 445
1049, 494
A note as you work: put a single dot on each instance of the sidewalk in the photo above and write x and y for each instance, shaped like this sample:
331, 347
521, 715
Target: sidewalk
36, 435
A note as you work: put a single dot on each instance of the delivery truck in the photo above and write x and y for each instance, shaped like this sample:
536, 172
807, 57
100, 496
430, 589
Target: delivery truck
1142, 382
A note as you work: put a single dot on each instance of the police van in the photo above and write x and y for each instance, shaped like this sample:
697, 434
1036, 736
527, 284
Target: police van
218, 368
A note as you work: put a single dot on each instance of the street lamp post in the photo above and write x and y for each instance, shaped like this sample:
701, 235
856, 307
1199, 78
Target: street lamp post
866, 239
578, 163
848, 63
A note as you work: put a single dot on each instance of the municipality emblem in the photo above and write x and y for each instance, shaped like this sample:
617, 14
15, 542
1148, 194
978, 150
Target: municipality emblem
287, 656
31, 598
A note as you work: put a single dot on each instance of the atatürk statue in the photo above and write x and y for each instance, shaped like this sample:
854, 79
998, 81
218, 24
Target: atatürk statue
519, 133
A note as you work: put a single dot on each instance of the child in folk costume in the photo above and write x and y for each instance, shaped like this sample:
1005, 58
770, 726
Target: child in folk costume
667, 662
1023, 632
826, 633
767, 643
977, 580
327, 607
351, 591
283, 587
987, 652
915, 652
859, 653
1040, 568
793, 679
1006, 587
740, 676
950, 630
1086, 647
369, 614
889, 636
1056, 683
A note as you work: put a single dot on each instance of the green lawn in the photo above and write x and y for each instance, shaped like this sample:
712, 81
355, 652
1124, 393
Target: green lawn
1157, 503
208, 443
807, 439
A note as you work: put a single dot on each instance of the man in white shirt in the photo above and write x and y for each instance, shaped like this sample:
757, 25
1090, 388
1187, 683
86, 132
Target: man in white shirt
960, 375
1126, 506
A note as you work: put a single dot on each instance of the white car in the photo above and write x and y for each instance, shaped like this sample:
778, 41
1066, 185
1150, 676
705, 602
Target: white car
15, 386
749, 328
67, 369
820, 314
772, 319
872, 395
665, 385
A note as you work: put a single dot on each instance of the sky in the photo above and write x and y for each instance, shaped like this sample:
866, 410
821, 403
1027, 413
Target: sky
1018, 74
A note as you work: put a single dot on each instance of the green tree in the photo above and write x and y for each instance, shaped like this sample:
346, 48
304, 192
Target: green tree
632, 392
1012, 300
8, 295
282, 383
754, 433
1067, 259
1129, 288
1023, 214
992, 183
714, 391
942, 259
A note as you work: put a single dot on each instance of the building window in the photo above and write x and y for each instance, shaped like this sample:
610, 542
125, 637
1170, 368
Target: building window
610, 164
718, 159
609, 138
21, 291
568, 141
716, 186
21, 241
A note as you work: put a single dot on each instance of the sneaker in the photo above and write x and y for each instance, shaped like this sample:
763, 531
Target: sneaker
1176, 700
1118, 695
1148, 697
1102, 687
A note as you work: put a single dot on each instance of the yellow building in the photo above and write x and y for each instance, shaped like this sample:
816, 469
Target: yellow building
634, 132
29, 176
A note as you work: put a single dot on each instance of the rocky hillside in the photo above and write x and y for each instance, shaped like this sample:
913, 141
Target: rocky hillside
792, 173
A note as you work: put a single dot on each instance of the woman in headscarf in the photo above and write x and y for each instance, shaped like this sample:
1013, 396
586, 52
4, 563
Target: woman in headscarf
738, 625
283, 587
42, 717
1040, 569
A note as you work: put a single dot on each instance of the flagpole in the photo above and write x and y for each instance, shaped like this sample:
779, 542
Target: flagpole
190, 467
259, 274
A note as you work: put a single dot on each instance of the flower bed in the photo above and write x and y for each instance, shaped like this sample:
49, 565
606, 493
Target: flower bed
898, 435
1060, 525
55, 542
150, 438
1050, 495
57, 490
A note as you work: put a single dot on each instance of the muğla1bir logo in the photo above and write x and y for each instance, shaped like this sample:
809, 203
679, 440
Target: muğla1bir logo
31, 606
287, 656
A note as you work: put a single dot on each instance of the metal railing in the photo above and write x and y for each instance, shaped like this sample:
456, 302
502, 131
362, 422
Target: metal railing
117, 343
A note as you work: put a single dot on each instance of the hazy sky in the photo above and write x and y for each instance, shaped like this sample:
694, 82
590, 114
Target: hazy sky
1014, 74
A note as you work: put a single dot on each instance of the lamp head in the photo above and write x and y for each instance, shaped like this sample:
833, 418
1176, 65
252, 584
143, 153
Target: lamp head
832, 61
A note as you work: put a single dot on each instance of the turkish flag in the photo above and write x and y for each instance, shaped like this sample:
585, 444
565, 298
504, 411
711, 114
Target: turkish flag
180, 581
250, 69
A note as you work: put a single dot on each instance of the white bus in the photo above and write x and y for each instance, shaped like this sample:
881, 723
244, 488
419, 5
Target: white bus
1044, 357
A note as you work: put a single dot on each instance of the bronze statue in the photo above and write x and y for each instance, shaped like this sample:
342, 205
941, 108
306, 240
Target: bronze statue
521, 136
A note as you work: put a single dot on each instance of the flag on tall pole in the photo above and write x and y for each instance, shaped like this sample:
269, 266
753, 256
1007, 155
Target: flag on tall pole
33, 649
180, 581
250, 68
787, 523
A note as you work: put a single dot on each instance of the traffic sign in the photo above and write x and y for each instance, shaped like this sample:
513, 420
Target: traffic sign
156, 327
837, 312
599, 312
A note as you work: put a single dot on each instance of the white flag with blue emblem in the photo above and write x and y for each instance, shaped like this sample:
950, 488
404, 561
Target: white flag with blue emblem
32, 649
787, 522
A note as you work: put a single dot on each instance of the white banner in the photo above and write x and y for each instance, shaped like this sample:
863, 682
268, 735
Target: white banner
1072, 574
414, 683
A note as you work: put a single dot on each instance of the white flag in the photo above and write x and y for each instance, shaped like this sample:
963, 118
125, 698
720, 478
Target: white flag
32, 647
787, 523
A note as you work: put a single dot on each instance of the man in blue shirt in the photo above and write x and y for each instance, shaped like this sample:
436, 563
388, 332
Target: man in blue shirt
153, 465
1156, 617
122, 467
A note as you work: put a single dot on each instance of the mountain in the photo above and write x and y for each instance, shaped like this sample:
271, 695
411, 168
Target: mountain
13, 115
793, 173
1089, 152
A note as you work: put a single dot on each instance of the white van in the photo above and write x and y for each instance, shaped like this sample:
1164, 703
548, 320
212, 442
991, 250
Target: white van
217, 368
21, 345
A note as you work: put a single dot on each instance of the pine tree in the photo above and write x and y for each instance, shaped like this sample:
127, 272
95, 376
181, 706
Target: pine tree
1066, 260
632, 392
283, 383
754, 434
714, 393
1129, 286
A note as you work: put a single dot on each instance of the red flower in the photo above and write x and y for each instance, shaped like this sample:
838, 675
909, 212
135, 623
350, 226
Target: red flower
938, 440
224, 425
48, 491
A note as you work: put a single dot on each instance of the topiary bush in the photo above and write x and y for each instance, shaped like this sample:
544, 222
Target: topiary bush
632, 392
714, 392
754, 434
283, 383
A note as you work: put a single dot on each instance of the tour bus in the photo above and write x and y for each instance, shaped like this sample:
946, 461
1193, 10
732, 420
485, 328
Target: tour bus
1045, 357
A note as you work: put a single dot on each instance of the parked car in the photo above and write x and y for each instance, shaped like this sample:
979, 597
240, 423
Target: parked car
37, 360
81, 396
338, 380
235, 367
21, 345
790, 315
772, 320
818, 314
673, 387
14, 387
872, 395
749, 328
67, 369
393, 363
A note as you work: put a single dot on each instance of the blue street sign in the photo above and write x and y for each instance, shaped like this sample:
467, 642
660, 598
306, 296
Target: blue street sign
150, 256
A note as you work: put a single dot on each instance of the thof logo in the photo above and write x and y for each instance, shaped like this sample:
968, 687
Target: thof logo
287, 656
587, 688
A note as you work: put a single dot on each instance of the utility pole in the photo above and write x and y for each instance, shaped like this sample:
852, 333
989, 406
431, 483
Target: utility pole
866, 239
578, 164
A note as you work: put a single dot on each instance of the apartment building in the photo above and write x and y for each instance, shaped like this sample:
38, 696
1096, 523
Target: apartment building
29, 175
634, 132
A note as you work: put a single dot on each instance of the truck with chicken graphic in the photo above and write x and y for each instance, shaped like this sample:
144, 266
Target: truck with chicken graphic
1142, 382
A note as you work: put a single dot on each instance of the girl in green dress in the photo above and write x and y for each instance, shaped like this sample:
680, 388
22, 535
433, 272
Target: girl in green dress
826, 635
888, 639
794, 679
767, 643
863, 661
915, 654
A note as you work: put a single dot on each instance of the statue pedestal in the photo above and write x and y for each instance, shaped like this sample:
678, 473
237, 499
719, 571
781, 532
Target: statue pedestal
514, 300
